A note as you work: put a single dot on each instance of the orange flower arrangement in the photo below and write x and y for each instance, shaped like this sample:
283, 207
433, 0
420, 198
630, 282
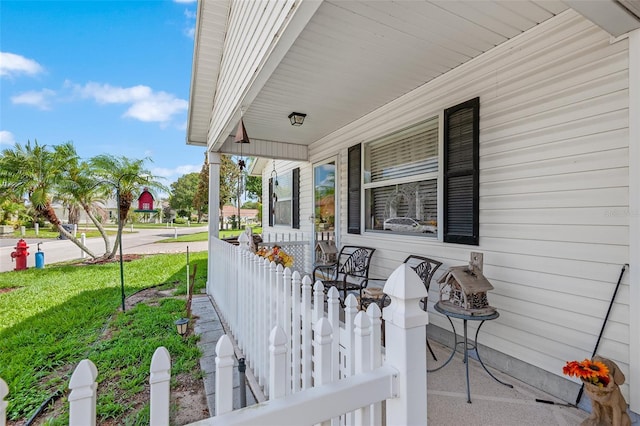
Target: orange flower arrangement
594, 372
276, 254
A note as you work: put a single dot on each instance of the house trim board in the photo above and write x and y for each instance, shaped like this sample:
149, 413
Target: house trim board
634, 218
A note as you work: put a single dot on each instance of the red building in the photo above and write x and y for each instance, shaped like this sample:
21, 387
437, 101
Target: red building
145, 202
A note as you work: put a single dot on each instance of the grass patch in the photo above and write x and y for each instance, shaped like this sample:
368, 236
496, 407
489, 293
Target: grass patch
49, 234
203, 236
55, 317
164, 225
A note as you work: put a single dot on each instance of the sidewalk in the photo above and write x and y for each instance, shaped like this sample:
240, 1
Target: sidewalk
209, 327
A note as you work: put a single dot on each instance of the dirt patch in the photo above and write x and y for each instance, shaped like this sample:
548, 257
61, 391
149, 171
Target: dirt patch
190, 399
150, 296
7, 290
102, 260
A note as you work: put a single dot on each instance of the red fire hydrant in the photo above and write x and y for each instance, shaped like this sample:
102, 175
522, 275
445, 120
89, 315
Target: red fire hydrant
20, 255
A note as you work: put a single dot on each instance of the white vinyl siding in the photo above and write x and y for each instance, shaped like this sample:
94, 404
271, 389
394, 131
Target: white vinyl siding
554, 196
253, 26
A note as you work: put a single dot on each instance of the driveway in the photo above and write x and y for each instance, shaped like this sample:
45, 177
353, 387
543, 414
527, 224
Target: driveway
142, 241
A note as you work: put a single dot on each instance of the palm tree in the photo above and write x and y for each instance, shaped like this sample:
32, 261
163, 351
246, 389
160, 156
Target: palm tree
37, 171
82, 190
124, 178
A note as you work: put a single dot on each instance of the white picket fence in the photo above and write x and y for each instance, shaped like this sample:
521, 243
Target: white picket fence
318, 353
83, 396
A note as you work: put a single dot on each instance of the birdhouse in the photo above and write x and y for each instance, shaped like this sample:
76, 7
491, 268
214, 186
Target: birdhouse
145, 201
326, 252
463, 289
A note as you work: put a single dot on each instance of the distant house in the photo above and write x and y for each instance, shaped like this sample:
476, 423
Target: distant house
247, 216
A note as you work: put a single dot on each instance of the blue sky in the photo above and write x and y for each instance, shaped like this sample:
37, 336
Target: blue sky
111, 76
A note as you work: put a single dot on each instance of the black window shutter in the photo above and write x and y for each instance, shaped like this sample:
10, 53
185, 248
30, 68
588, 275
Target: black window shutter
271, 206
353, 191
295, 199
461, 173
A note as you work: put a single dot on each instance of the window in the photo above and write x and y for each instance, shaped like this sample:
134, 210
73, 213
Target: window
284, 202
400, 176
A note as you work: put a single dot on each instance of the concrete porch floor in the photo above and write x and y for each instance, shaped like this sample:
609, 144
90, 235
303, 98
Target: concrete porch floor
492, 403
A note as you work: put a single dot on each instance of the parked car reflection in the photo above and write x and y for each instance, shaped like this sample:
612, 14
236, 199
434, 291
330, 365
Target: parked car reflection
407, 224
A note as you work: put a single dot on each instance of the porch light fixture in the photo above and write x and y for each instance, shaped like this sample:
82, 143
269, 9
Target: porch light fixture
182, 325
297, 118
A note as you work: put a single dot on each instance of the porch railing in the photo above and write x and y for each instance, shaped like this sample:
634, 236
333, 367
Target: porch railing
258, 299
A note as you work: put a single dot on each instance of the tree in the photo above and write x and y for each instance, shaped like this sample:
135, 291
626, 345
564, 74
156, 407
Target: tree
201, 197
183, 192
129, 176
82, 189
229, 173
37, 171
253, 186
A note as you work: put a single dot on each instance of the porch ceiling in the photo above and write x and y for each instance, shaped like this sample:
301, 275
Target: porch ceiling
356, 56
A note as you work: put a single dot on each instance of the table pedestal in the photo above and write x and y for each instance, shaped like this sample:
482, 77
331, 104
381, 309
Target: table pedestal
467, 346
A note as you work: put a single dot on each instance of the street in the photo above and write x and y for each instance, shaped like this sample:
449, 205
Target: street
141, 241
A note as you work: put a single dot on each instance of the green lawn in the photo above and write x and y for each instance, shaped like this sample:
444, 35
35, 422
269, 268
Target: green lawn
54, 317
47, 233
203, 236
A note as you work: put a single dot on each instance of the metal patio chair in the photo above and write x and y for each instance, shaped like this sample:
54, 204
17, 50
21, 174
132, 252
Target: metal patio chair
349, 273
425, 268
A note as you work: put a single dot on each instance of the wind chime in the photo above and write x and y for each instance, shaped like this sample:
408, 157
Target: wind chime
241, 138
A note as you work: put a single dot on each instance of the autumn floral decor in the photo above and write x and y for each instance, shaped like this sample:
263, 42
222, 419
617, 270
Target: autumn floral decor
594, 372
276, 254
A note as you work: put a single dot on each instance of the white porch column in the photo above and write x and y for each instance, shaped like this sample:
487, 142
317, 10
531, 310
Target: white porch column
405, 335
214, 209
634, 221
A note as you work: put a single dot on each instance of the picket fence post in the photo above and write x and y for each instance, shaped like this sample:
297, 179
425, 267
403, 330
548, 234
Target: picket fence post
405, 334
278, 363
363, 359
306, 332
4, 391
295, 331
224, 375
333, 314
159, 381
286, 306
374, 313
318, 301
322, 352
82, 399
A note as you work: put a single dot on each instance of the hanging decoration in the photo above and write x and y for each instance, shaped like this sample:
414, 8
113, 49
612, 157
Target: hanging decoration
241, 138
274, 174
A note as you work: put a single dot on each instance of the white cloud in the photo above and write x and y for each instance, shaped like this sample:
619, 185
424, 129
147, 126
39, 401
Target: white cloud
6, 138
12, 65
190, 32
39, 99
175, 172
145, 104
190, 26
